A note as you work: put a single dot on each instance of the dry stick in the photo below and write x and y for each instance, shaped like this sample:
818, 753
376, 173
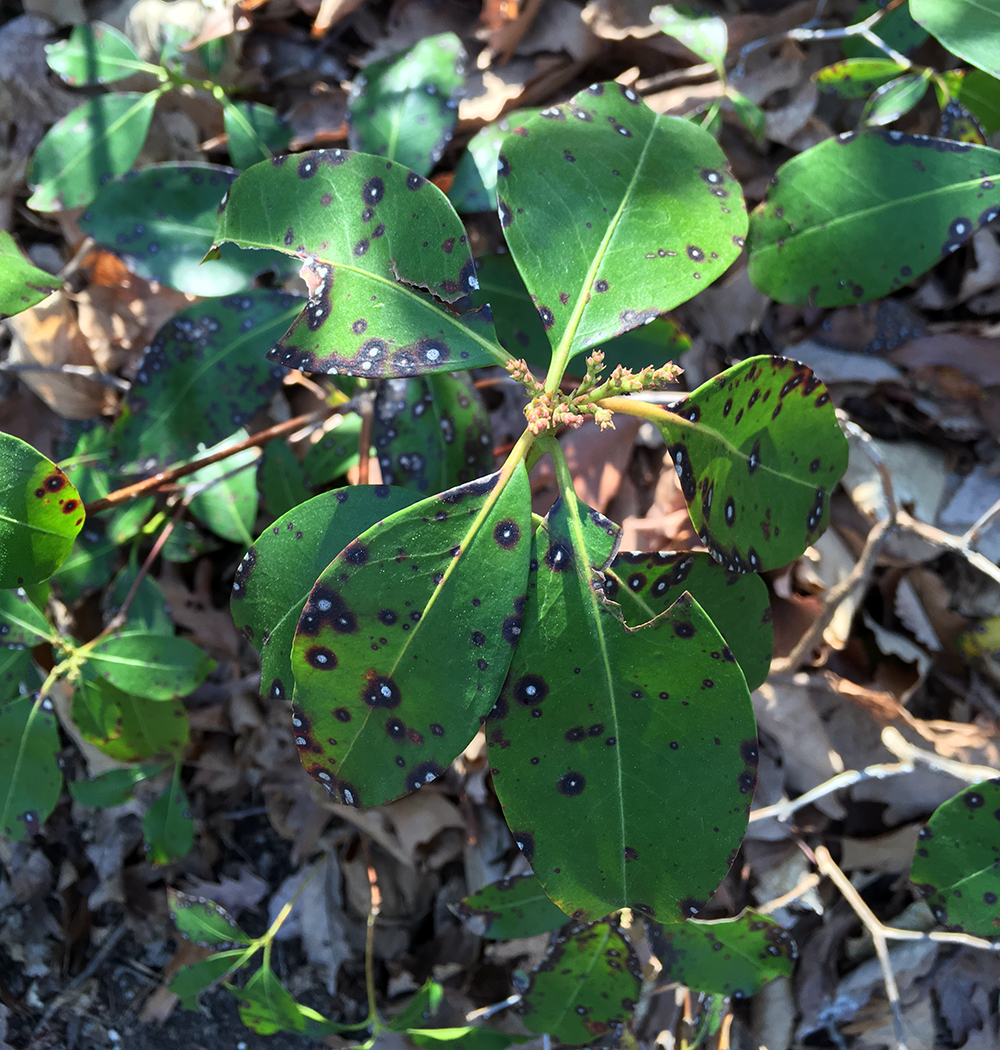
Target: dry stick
166, 477
974, 533
95, 375
366, 407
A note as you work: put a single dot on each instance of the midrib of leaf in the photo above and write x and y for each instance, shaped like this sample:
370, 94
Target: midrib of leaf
32, 527
582, 984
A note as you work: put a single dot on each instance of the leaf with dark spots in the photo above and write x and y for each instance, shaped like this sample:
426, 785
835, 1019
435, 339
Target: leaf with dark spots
586, 986
267, 597
769, 503
474, 187
394, 666
21, 284
404, 107
431, 433
391, 285
645, 585
838, 227
22, 624
729, 957
168, 243
202, 377
955, 860
613, 766
615, 215
514, 907
30, 777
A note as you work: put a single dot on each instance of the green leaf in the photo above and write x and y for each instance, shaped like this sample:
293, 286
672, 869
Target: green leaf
446, 575
896, 28
753, 118
334, 454
268, 594
432, 433
856, 77
21, 623
188, 542
954, 862
40, 514
153, 666
98, 140
474, 188
95, 53
586, 987
969, 29
282, 479
265, 1005
90, 563
979, 93
203, 921
372, 235
148, 612
166, 826
614, 214
112, 788
662, 713
21, 284
758, 452
18, 674
404, 107
168, 243
705, 35
513, 907
128, 728
892, 100
255, 132
203, 376
30, 777
420, 1009
470, 1037
859, 216
226, 500
645, 585
731, 957
190, 981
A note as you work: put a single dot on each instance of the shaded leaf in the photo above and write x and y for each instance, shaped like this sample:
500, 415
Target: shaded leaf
420, 1009
954, 862
30, 777
18, 674
856, 77
267, 598
128, 728
837, 226
203, 921
203, 376
265, 1005
753, 118
190, 981
446, 575
255, 132
21, 284
731, 957
282, 479
513, 907
22, 624
665, 709
896, 28
586, 987
112, 788
970, 30
757, 451
474, 188
614, 214
432, 433
90, 562
167, 244
892, 100
98, 140
148, 612
154, 666
166, 826
227, 492
394, 234
95, 53
334, 454
40, 514
705, 35
404, 107
645, 585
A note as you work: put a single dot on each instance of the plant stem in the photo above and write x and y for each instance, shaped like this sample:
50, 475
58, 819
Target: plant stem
373, 911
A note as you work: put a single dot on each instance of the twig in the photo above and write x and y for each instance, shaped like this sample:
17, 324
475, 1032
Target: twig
373, 912
699, 74
811, 881
974, 533
366, 408
954, 543
166, 477
95, 375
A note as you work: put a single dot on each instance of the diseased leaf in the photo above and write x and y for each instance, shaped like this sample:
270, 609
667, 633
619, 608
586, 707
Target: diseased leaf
757, 451
18, 674
95, 53
21, 284
98, 140
372, 235
666, 708
267, 597
892, 100
446, 575
730, 957
979, 93
404, 107
645, 585
432, 433
166, 826
837, 225
586, 987
112, 788
856, 77
40, 514
705, 35
255, 132
30, 777
474, 188
969, 29
266, 1006
168, 244
513, 907
614, 214
128, 728
22, 625
203, 376
203, 921
154, 666
954, 862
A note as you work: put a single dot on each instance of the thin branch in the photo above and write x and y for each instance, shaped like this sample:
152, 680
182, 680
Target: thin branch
366, 409
974, 533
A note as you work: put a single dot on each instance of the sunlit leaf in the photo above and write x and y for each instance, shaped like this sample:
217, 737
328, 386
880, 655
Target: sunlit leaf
255, 132
21, 284
154, 666
469, 1037
979, 93
266, 1006
753, 118
95, 53
203, 921
969, 29
420, 1009
892, 100
859, 216
513, 907
704, 34
30, 777
856, 77
475, 186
